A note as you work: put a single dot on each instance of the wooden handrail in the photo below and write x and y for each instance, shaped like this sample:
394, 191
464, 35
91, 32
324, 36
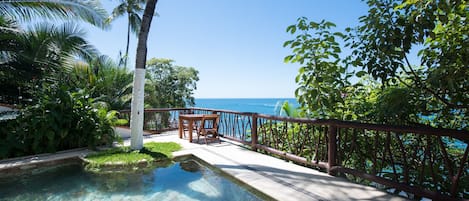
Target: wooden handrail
415, 128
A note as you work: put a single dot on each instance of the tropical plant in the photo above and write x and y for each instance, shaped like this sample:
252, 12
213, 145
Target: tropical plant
137, 107
42, 50
104, 80
28, 53
287, 109
58, 120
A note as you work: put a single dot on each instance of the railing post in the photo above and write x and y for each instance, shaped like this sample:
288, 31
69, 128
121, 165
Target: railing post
332, 151
254, 132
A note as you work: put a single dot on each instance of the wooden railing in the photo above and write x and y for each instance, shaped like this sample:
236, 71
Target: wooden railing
417, 161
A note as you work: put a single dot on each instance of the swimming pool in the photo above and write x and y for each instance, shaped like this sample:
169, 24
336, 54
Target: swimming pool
185, 180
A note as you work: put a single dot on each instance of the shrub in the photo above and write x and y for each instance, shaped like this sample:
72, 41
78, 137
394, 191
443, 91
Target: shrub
58, 120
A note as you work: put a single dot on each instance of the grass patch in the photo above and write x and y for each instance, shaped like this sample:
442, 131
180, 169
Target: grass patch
166, 148
124, 156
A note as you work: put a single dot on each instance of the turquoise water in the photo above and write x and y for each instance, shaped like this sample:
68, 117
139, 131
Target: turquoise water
258, 105
187, 180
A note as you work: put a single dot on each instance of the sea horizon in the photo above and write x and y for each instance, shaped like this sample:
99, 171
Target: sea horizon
258, 105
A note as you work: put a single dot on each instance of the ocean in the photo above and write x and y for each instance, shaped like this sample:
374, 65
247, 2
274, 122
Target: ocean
258, 105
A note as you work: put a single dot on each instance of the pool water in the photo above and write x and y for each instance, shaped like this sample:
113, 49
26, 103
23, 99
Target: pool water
185, 180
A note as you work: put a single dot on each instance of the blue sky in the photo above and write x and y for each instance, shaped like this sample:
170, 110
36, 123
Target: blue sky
236, 45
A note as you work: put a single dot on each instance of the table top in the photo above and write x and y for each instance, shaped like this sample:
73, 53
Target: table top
192, 116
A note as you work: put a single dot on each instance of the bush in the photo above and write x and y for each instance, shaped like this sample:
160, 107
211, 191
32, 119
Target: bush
58, 120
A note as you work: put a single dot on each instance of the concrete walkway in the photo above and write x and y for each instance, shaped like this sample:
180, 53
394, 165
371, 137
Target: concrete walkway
274, 177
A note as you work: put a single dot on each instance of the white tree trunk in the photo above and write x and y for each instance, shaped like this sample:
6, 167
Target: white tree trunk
137, 108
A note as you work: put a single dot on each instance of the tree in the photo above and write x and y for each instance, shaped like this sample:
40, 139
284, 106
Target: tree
168, 85
133, 9
439, 29
322, 78
138, 92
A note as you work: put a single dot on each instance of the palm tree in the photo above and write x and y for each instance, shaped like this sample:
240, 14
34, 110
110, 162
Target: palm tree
15, 11
136, 119
133, 9
28, 53
41, 51
89, 11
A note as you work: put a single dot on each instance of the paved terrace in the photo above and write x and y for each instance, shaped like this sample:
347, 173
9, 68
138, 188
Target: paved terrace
277, 178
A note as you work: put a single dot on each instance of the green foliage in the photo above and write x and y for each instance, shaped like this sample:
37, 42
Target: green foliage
168, 85
58, 120
321, 77
89, 11
434, 93
42, 51
287, 109
383, 43
104, 80
403, 158
298, 139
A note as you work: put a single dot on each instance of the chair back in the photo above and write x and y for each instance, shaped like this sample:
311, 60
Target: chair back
210, 120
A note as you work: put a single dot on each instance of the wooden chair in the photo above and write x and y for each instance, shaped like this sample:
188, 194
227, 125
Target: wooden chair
185, 124
209, 127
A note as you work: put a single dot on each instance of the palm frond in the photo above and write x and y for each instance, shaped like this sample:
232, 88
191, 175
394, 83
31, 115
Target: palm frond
117, 12
135, 21
90, 11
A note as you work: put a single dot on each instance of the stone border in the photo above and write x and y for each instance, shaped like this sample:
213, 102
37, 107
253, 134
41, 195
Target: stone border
29, 164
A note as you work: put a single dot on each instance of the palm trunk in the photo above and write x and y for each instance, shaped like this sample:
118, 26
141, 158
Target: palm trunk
127, 47
136, 119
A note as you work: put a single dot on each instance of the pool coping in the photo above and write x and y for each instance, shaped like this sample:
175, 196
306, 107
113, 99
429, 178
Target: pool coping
27, 164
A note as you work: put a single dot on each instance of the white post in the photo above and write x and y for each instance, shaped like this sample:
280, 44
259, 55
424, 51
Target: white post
137, 110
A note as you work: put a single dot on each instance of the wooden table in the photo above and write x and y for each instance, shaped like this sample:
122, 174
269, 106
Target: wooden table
191, 118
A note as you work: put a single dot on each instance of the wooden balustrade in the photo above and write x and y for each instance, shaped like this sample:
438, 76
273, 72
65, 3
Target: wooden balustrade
419, 160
